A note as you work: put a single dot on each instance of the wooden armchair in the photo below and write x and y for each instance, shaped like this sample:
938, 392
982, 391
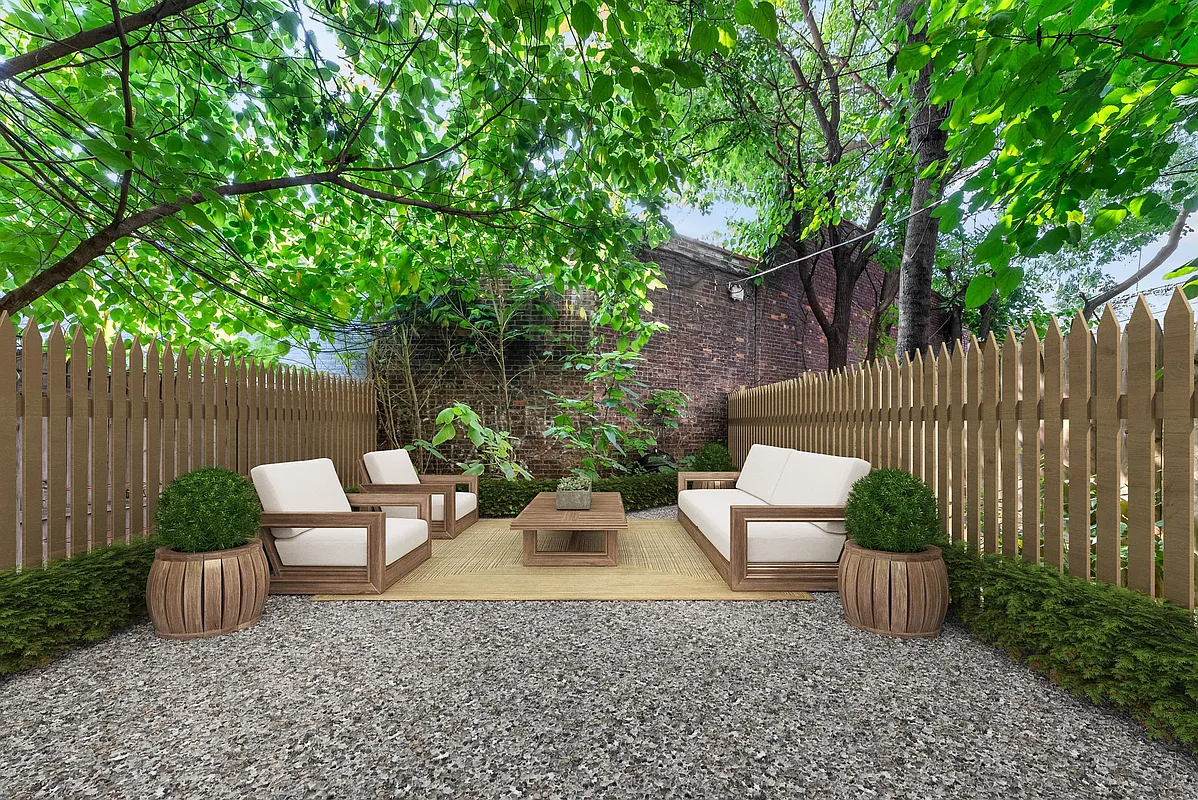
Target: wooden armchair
453, 511
316, 544
744, 575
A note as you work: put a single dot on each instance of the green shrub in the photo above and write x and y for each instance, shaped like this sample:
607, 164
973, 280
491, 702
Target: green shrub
44, 612
713, 457
498, 498
207, 509
892, 510
1107, 644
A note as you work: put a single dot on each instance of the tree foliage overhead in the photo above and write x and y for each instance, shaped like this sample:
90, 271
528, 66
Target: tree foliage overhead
208, 168
1054, 103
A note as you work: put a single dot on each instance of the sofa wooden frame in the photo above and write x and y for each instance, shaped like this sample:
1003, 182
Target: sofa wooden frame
449, 527
374, 578
738, 572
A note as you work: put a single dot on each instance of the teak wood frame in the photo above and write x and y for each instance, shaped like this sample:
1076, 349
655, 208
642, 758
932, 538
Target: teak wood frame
738, 572
376, 576
446, 528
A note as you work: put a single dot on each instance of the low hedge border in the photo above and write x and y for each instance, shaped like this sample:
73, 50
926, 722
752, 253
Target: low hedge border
499, 498
1107, 644
44, 612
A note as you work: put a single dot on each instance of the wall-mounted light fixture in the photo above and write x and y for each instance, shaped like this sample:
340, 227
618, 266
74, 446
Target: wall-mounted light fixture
736, 291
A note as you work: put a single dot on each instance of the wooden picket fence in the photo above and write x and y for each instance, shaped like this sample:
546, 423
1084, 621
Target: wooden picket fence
91, 434
1002, 434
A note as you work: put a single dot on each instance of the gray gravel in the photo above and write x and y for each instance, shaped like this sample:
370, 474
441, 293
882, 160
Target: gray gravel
563, 700
661, 512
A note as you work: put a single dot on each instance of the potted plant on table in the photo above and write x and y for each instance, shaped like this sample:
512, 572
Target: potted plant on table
210, 575
892, 578
574, 493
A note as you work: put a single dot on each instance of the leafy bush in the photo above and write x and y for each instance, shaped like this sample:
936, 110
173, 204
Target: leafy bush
44, 612
498, 498
1107, 644
207, 509
713, 457
492, 449
893, 511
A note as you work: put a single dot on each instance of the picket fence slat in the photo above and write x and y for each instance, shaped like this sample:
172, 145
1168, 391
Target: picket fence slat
1076, 452
95, 432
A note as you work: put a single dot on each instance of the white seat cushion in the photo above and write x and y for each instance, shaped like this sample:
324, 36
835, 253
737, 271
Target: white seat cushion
464, 503
763, 466
346, 547
299, 486
769, 542
815, 479
390, 466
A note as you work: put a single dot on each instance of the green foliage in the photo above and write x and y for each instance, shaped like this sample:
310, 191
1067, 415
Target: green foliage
333, 161
493, 449
893, 511
713, 457
574, 483
1107, 644
207, 509
506, 498
44, 612
1054, 104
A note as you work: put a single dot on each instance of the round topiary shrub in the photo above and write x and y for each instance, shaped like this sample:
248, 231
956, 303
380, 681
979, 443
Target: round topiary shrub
893, 511
207, 509
713, 458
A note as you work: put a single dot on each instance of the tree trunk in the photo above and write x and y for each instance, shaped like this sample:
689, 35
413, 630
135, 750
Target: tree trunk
889, 290
919, 248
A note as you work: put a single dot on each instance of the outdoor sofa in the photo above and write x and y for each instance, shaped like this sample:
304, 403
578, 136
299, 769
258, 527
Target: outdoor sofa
779, 523
317, 544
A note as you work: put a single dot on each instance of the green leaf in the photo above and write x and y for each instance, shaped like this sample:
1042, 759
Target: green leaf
446, 433
704, 37
743, 11
107, 155
1183, 270
602, 89
998, 24
584, 20
1143, 204
1109, 217
689, 74
765, 20
1007, 280
980, 289
446, 416
642, 92
913, 57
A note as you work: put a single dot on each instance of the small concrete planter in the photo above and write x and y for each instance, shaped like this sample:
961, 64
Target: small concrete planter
193, 595
894, 594
573, 499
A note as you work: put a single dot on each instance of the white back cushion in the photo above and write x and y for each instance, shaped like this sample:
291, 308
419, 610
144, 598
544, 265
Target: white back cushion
763, 466
296, 486
390, 466
815, 479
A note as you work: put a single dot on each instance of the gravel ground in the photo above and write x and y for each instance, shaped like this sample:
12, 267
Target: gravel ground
563, 700
661, 512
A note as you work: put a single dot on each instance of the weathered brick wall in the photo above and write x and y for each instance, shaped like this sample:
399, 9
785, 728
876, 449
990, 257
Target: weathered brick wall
714, 344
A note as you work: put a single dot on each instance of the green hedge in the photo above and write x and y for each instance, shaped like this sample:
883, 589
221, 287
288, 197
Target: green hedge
1110, 645
499, 498
44, 612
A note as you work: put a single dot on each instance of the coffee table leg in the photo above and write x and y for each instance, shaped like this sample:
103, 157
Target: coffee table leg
610, 557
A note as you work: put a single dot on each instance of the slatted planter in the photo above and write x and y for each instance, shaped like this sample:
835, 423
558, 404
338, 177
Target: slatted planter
193, 595
896, 594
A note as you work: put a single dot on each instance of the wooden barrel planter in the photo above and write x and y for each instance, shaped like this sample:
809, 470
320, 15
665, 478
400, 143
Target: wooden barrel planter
192, 595
896, 594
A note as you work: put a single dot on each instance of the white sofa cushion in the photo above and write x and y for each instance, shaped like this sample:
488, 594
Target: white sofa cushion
769, 542
390, 466
298, 486
346, 547
815, 479
464, 503
763, 466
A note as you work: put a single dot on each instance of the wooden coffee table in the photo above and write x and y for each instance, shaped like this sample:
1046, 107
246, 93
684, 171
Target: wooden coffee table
606, 515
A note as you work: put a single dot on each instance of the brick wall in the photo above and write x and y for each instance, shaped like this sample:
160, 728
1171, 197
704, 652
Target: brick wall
715, 343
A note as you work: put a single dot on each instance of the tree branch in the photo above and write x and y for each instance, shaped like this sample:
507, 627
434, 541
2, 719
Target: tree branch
85, 40
1175, 235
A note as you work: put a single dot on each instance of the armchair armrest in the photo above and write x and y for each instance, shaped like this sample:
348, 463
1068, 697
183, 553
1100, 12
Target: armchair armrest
453, 481
741, 516
375, 523
395, 494
685, 478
